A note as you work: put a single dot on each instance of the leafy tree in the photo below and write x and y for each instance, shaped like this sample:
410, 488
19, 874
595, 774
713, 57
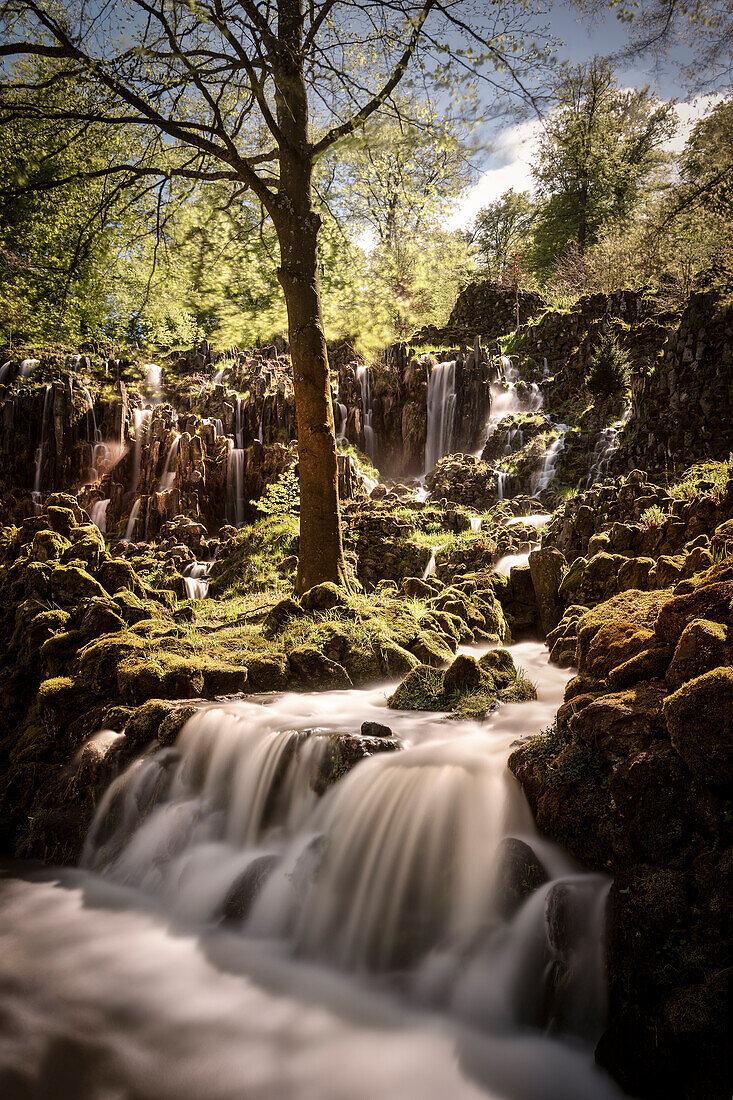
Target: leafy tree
257, 93
600, 155
610, 369
502, 231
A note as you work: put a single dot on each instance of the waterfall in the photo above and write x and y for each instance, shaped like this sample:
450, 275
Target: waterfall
394, 868
153, 376
364, 376
219, 427
235, 486
343, 420
605, 448
168, 477
441, 407
5, 371
141, 420
535, 399
218, 376
132, 521
476, 522
431, 566
41, 450
99, 515
501, 477
546, 473
96, 436
195, 580
28, 366
238, 424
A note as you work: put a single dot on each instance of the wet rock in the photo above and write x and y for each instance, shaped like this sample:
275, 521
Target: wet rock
416, 588
70, 584
375, 729
519, 874
167, 676
432, 649
708, 601
499, 666
246, 888
699, 717
268, 673
341, 752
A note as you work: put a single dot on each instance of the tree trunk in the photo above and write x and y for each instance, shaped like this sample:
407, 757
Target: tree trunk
321, 555
321, 552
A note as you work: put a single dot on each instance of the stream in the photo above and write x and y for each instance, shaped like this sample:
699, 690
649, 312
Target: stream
377, 958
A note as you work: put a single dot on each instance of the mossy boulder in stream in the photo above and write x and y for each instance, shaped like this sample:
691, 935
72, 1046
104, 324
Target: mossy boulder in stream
699, 717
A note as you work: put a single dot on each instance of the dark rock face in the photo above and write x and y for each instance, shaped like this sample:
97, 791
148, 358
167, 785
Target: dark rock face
485, 308
683, 406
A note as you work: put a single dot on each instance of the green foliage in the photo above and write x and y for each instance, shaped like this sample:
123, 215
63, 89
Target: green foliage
503, 230
281, 497
599, 157
703, 477
653, 517
610, 369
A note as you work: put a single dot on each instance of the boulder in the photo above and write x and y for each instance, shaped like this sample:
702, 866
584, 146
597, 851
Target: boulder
309, 667
623, 722
703, 645
464, 675
322, 597
547, 568
421, 689
245, 889
699, 718
519, 874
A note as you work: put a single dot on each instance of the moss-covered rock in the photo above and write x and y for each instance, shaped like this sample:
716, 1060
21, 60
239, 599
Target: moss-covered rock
165, 676
70, 584
309, 668
699, 718
703, 645
322, 597
421, 689
48, 546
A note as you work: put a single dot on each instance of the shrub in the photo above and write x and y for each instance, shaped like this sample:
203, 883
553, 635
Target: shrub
610, 370
653, 517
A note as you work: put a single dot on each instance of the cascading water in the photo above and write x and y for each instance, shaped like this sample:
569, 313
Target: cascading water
41, 450
396, 870
132, 520
606, 446
235, 486
28, 366
546, 472
195, 580
141, 421
168, 477
342, 422
238, 430
98, 515
476, 522
153, 377
364, 377
95, 434
5, 370
441, 408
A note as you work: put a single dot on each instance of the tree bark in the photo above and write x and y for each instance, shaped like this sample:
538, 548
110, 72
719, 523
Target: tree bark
320, 556
321, 551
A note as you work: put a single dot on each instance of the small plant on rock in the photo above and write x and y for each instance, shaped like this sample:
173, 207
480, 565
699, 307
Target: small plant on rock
610, 369
653, 517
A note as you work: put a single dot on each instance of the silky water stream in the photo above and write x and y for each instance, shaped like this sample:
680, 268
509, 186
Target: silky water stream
377, 959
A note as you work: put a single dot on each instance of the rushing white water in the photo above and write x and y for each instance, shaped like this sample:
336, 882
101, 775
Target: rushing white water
96, 435
342, 422
441, 408
389, 877
539, 519
431, 566
195, 580
607, 444
168, 477
507, 563
364, 377
41, 450
99, 515
476, 522
235, 486
132, 520
27, 367
141, 421
546, 473
153, 376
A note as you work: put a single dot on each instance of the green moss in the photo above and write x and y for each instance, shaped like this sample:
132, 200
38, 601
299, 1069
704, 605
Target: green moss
421, 689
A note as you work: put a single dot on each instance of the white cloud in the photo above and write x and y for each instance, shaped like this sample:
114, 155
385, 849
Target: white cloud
511, 158
515, 147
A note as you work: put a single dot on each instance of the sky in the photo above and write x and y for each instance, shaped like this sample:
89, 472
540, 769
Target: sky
506, 163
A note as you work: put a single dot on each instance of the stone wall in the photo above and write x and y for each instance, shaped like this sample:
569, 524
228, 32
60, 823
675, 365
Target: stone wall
681, 402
